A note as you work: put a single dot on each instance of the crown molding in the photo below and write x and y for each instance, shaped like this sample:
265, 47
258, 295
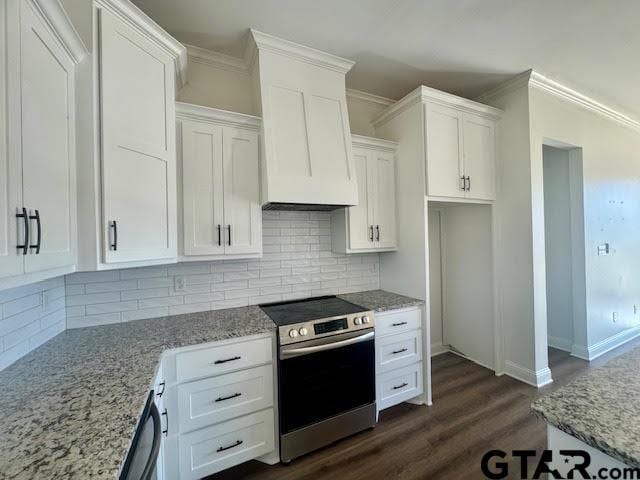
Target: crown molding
360, 141
259, 41
190, 111
519, 81
139, 21
216, 60
559, 90
369, 97
424, 94
59, 24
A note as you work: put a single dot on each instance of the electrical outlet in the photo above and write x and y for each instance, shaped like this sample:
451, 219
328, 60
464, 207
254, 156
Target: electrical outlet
615, 317
179, 283
603, 249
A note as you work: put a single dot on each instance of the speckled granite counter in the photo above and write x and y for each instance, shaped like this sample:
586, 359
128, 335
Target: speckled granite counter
69, 409
381, 300
601, 408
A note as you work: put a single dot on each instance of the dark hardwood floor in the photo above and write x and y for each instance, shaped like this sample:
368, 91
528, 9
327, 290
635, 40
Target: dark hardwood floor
473, 411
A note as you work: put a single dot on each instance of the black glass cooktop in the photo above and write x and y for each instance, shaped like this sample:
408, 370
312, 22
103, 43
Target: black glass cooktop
297, 311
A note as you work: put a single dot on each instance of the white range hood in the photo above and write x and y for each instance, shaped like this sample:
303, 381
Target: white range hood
307, 161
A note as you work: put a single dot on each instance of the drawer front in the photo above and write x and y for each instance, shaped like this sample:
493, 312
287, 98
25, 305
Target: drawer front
390, 323
213, 361
397, 351
217, 448
398, 385
214, 400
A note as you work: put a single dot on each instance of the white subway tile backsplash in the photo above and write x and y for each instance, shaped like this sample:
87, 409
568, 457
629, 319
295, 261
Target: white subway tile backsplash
297, 262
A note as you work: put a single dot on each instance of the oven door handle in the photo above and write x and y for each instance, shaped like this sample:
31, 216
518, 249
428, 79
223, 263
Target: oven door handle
296, 352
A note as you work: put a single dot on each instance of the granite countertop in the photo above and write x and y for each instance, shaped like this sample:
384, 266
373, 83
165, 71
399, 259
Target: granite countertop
381, 300
70, 408
601, 408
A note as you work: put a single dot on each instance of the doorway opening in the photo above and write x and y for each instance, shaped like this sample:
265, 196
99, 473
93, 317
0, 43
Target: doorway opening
564, 249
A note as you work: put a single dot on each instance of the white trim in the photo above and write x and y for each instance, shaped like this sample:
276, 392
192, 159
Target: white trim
559, 343
360, 141
424, 94
519, 81
536, 379
56, 19
359, 95
580, 351
263, 41
216, 60
438, 349
189, 111
139, 21
600, 348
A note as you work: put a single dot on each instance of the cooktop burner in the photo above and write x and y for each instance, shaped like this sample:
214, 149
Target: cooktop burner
297, 311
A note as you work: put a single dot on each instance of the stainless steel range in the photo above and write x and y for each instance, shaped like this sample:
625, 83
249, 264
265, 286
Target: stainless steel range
326, 372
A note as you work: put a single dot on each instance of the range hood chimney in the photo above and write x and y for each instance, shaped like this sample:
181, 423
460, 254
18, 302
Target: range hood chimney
307, 163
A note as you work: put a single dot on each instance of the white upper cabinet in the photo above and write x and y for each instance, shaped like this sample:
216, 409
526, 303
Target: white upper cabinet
459, 144
38, 57
222, 215
371, 225
138, 145
307, 144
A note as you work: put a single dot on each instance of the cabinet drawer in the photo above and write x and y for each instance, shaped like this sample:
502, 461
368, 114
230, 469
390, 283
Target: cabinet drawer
397, 351
217, 448
214, 400
389, 323
213, 361
398, 385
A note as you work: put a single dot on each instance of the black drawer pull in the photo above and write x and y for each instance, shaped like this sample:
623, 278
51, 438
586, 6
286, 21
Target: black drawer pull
218, 362
164, 386
402, 385
166, 415
222, 399
222, 449
395, 352
398, 324
25, 218
36, 217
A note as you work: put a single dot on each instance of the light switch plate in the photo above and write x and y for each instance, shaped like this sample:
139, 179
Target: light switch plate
603, 249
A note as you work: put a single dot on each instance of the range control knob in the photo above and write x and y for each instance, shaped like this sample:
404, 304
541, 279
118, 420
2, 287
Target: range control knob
365, 319
303, 331
357, 321
293, 333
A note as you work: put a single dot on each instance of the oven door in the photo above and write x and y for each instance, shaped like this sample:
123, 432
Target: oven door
322, 378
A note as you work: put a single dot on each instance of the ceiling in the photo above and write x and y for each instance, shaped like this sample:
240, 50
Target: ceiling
464, 46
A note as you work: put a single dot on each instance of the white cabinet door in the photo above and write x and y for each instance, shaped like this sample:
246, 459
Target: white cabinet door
479, 157
384, 199
242, 210
11, 228
202, 189
444, 151
360, 217
138, 142
48, 145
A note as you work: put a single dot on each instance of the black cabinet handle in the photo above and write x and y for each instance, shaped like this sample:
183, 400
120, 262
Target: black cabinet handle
114, 244
163, 385
463, 187
166, 415
398, 324
25, 218
378, 233
371, 233
229, 230
222, 449
219, 235
468, 183
222, 399
402, 385
218, 362
36, 217
402, 350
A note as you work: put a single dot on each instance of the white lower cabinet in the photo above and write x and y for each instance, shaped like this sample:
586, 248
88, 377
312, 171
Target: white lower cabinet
218, 407
399, 371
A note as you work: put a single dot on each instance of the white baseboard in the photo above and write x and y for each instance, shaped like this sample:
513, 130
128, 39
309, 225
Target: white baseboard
536, 379
592, 352
438, 349
559, 343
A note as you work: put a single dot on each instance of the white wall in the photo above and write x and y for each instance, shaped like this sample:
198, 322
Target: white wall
297, 263
557, 220
611, 179
29, 316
